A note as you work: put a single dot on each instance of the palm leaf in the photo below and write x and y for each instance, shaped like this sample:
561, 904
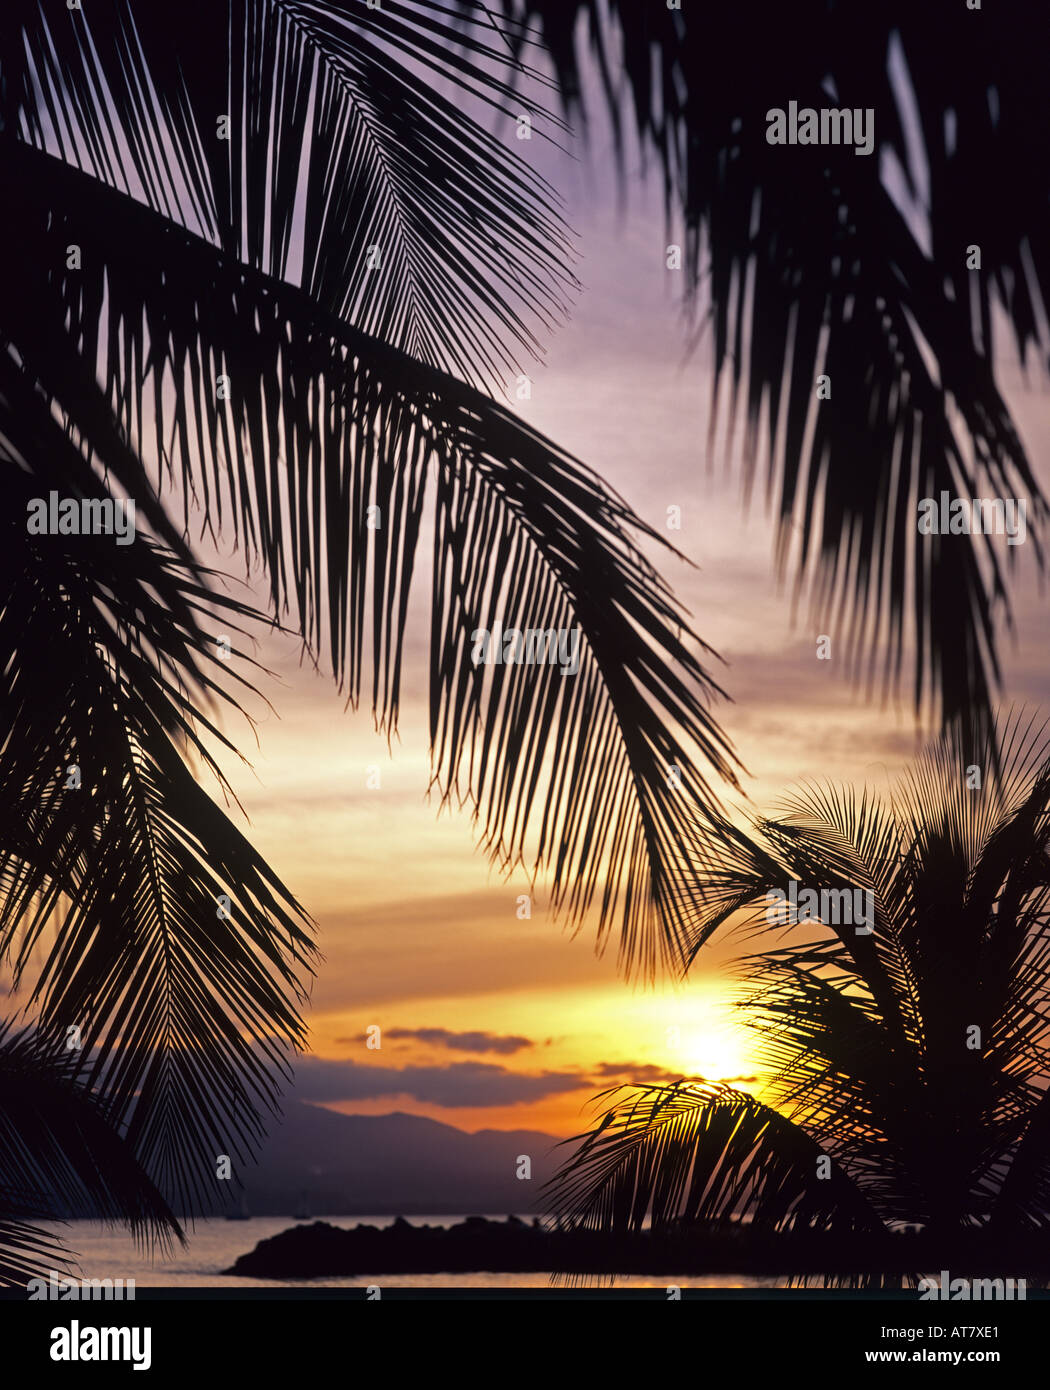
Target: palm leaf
61, 1155
28, 1252
111, 889
811, 266
867, 1041
325, 423
350, 130
693, 1154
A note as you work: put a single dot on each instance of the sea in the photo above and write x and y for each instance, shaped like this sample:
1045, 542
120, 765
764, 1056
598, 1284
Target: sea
213, 1246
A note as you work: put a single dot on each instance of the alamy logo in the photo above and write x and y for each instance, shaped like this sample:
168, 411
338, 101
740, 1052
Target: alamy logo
58, 1286
963, 1290
536, 646
76, 1343
81, 516
832, 906
977, 516
828, 126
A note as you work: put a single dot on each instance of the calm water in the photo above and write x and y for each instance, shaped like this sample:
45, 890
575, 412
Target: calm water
214, 1246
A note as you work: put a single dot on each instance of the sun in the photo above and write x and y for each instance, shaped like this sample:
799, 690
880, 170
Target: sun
696, 1033
718, 1055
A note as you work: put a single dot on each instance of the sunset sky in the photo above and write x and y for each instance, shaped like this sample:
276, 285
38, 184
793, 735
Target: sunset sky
489, 1021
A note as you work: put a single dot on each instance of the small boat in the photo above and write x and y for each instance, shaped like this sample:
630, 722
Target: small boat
241, 1214
302, 1211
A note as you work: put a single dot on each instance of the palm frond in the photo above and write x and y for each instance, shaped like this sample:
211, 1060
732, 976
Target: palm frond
115, 880
916, 1054
816, 263
28, 1252
148, 919
328, 431
62, 1155
355, 161
694, 1154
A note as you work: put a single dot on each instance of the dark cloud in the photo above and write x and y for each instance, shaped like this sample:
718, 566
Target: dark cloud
459, 1084
463, 1042
646, 1074
638, 1071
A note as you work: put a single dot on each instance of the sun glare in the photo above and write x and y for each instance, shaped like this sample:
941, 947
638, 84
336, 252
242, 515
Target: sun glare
718, 1056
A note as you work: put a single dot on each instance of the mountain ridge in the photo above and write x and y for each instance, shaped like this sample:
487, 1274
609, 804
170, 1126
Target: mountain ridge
366, 1165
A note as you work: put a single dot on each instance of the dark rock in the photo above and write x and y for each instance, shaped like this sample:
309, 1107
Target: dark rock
477, 1244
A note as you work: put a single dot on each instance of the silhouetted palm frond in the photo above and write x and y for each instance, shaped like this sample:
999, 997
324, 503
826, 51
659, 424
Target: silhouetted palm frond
908, 1041
699, 1153
28, 1252
323, 457
819, 261
354, 161
62, 1155
115, 864
132, 905
156, 260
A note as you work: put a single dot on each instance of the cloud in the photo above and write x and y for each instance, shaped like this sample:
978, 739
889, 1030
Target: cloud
463, 1042
647, 1075
642, 1072
459, 1084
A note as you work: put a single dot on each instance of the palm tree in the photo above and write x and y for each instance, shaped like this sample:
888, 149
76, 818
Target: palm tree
912, 1050
255, 269
263, 260
817, 261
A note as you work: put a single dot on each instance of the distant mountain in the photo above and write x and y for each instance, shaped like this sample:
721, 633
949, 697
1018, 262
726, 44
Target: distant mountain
345, 1165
